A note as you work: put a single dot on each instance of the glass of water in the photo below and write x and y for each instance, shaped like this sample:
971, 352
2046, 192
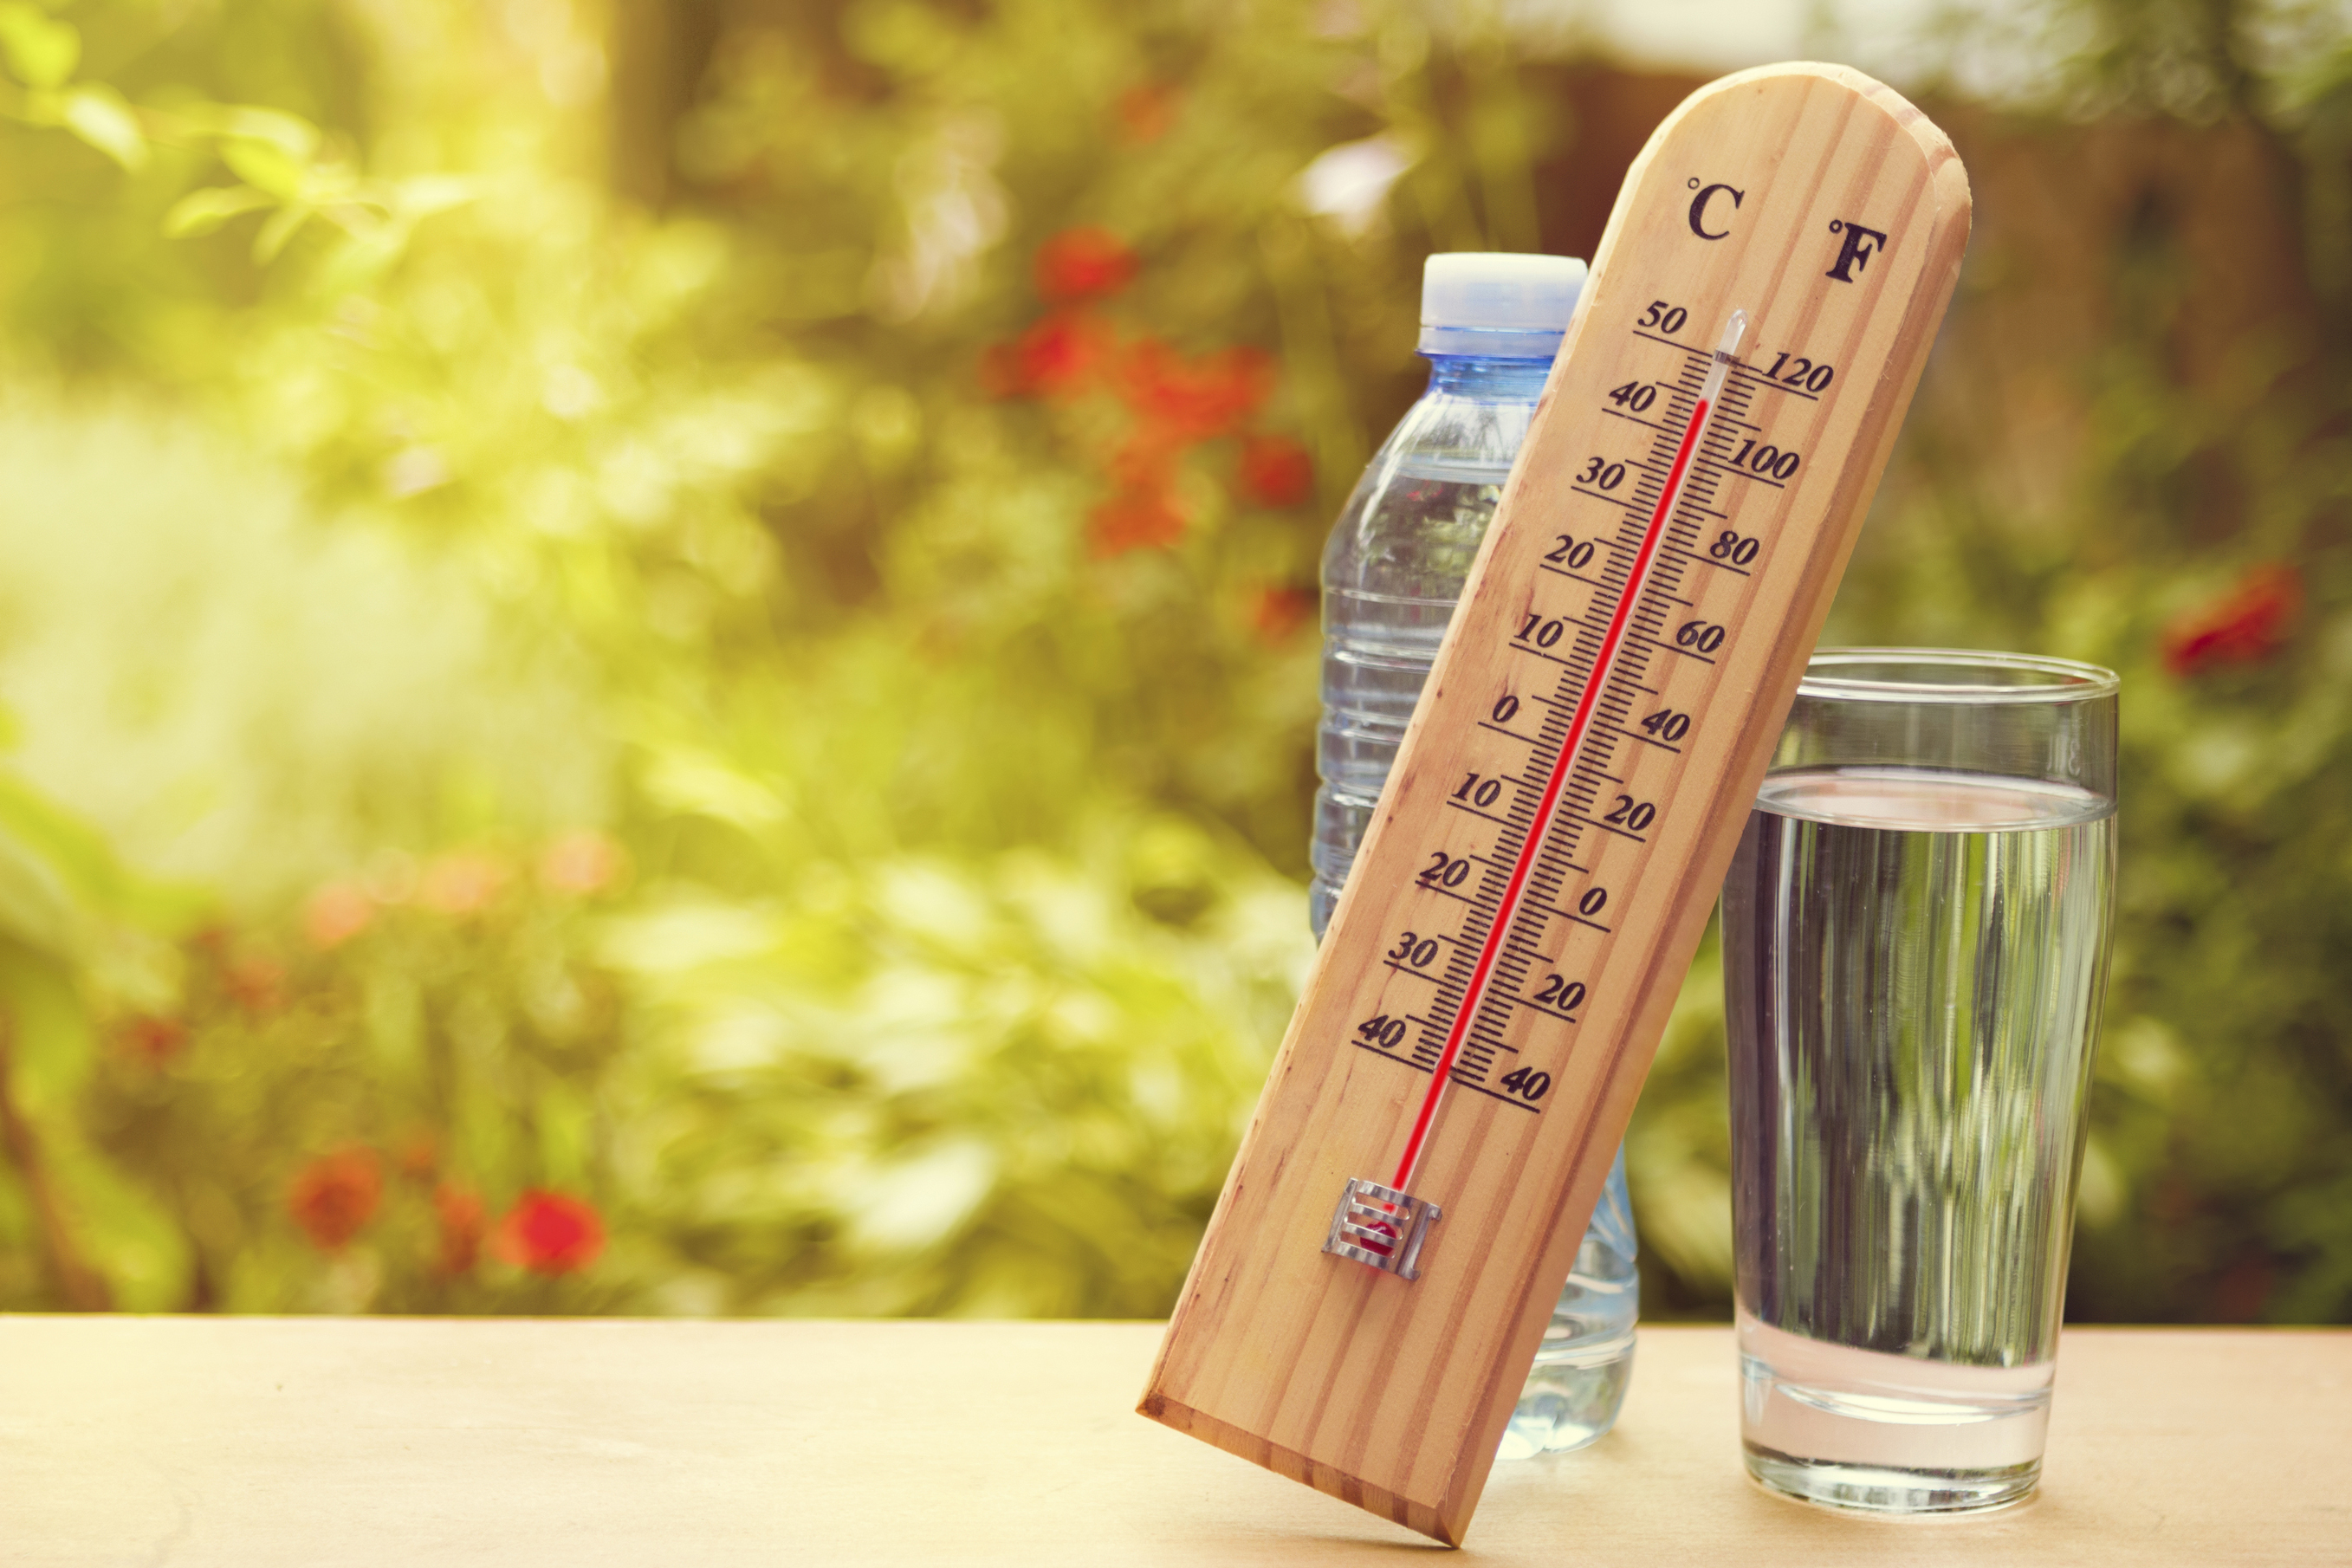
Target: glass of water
1915, 939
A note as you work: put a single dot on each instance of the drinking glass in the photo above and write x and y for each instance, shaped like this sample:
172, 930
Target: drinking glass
1915, 939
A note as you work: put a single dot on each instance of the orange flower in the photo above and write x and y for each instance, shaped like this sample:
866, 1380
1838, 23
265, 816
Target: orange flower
581, 863
1135, 520
2246, 626
1146, 112
1277, 613
550, 1232
461, 884
1145, 460
336, 914
463, 1221
153, 1039
1085, 263
333, 1195
1276, 471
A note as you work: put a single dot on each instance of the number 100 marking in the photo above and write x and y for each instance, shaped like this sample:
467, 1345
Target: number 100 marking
1767, 461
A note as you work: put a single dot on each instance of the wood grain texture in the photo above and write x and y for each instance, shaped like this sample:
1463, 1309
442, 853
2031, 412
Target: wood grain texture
323, 1443
1835, 216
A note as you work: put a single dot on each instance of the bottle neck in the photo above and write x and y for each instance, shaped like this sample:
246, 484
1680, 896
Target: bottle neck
1488, 379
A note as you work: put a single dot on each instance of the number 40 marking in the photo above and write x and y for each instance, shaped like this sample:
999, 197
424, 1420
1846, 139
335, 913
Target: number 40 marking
1527, 1083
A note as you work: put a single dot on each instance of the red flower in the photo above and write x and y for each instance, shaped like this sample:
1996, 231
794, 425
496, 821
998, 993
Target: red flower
1195, 399
1276, 471
1146, 112
1135, 520
1277, 613
335, 1195
1086, 263
462, 1221
550, 1232
336, 914
583, 862
1055, 358
2245, 627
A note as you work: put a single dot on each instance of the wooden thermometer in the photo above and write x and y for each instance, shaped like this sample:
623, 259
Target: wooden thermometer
1413, 1190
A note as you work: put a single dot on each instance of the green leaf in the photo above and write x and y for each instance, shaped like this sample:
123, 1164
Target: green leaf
36, 908
58, 875
41, 51
698, 782
131, 1233
201, 212
58, 869
99, 116
429, 193
289, 133
280, 229
360, 259
270, 165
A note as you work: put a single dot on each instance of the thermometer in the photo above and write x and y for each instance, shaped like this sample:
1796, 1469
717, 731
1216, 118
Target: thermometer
1520, 916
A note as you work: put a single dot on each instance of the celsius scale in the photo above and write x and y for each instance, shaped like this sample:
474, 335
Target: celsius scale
1411, 1192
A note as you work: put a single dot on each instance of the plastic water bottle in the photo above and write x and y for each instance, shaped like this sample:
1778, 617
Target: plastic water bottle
1391, 575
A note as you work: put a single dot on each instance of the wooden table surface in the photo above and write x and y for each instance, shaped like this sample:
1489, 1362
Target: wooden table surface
318, 1442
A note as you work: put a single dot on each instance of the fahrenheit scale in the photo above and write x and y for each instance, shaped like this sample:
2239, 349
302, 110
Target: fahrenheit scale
1571, 789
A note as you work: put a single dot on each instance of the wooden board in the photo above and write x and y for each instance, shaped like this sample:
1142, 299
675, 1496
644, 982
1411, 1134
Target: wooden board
1835, 214
211, 1442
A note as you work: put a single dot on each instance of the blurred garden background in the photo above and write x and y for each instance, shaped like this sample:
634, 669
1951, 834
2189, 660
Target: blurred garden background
659, 655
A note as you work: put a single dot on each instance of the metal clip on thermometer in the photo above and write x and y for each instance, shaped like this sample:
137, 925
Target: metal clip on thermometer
1385, 1227
1520, 915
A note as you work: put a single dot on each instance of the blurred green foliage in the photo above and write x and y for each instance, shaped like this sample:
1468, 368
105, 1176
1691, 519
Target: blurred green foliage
702, 607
